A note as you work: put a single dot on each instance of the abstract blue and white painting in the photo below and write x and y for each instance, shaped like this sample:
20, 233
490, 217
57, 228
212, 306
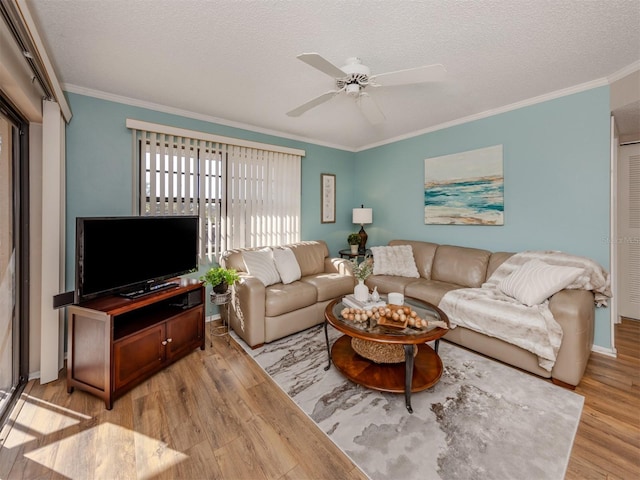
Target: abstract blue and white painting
465, 188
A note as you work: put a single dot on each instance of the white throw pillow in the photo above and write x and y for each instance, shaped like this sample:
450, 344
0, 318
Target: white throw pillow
395, 260
535, 281
260, 264
286, 264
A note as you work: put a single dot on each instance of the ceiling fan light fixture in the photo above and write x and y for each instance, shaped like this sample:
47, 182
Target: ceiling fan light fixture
354, 77
353, 89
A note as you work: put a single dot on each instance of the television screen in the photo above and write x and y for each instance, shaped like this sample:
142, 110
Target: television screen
126, 254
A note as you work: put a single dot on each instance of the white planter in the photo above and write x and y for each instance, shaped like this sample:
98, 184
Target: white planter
354, 249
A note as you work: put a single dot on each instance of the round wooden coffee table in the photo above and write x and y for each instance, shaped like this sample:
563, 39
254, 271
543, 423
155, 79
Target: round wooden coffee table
414, 374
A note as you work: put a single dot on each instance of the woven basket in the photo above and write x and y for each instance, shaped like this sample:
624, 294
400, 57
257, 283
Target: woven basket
380, 352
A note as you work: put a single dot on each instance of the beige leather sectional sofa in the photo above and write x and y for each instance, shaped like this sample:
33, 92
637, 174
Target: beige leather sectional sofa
445, 267
261, 314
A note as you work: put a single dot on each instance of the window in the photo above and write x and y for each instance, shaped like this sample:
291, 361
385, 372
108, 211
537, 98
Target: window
14, 258
246, 194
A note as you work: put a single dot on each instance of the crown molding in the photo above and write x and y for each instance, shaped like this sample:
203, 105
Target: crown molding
495, 111
478, 116
623, 72
68, 87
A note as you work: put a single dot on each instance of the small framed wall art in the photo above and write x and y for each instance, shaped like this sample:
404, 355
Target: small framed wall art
327, 198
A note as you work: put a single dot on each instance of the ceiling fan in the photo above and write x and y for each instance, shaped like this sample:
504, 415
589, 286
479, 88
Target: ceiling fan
354, 77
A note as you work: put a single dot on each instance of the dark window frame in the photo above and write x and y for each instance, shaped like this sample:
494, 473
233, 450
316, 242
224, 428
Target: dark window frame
20, 168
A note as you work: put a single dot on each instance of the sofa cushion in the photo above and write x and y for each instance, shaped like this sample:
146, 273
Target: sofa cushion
233, 259
260, 264
281, 298
462, 266
394, 260
310, 256
535, 281
286, 264
430, 291
423, 253
388, 283
330, 285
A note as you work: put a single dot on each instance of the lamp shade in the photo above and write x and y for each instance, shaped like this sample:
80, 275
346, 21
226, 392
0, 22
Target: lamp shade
363, 216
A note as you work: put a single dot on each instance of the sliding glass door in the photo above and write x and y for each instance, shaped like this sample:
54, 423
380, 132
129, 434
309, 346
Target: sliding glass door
13, 256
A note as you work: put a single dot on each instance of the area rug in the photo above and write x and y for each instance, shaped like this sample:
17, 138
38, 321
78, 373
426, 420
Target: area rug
482, 420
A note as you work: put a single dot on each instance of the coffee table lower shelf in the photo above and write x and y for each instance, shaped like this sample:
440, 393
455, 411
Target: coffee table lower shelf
386, 377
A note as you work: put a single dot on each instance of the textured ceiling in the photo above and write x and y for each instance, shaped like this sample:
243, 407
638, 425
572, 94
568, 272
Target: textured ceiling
235, 60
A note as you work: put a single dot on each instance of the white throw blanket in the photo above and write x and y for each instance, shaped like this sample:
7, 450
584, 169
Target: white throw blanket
489, 311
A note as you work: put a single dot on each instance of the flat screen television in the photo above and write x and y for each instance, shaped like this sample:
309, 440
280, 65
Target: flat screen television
132, 255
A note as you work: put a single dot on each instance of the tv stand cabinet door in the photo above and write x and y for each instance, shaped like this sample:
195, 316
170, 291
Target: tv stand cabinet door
138, 356
185, 333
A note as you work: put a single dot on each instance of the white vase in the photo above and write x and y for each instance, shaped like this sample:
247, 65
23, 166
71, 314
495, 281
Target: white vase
354, 249
361, 291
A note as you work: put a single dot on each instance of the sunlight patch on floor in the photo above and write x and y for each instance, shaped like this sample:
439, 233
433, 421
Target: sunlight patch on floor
46, 419
135, 454
17, 437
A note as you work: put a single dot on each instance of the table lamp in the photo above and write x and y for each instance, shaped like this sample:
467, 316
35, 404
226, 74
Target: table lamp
363, 216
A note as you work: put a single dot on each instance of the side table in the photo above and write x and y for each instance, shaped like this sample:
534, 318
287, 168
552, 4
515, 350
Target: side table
346, 253
222, 300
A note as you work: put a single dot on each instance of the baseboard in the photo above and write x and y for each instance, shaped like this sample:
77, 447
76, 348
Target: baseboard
211, 318
610, 352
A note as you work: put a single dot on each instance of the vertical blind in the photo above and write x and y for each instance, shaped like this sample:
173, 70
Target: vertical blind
246, 194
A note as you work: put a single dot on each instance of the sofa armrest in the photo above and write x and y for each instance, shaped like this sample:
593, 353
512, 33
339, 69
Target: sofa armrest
338, 265
574, 310
247, 310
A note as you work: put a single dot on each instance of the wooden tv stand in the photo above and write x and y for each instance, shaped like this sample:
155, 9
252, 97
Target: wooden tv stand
115, 343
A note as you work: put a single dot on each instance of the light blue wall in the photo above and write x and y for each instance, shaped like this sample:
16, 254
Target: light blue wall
99, 169
556, 170
99, 166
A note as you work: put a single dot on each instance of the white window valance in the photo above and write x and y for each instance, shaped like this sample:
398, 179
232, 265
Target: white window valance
209, 137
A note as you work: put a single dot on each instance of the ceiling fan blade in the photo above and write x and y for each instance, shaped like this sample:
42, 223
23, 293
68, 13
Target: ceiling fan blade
296, 112
428, 73
370, 109
319, 62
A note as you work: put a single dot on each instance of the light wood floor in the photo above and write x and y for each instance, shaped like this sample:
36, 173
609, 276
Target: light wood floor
607, 445
215, 414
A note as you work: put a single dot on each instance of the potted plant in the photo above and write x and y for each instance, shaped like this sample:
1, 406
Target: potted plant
220, 278
361, 272
354, 240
